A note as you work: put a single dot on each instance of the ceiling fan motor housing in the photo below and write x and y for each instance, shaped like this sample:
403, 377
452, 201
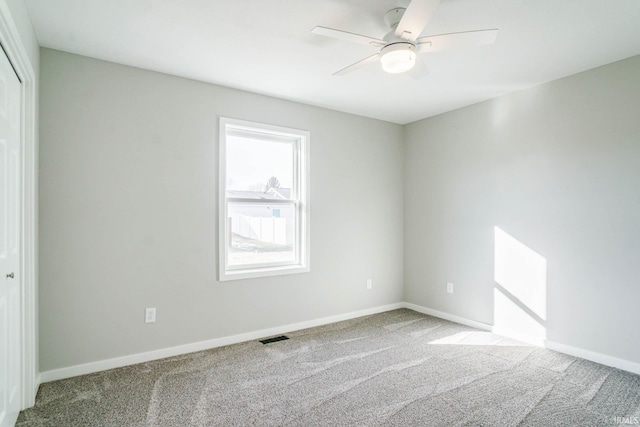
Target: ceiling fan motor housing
392, 18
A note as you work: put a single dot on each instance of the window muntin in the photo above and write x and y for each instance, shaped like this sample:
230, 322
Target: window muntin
264, 207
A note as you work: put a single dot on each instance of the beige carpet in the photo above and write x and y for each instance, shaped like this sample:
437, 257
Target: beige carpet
399, 368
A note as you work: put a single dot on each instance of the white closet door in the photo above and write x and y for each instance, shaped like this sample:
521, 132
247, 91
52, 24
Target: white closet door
10, 307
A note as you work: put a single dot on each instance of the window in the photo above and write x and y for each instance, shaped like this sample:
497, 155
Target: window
264, 200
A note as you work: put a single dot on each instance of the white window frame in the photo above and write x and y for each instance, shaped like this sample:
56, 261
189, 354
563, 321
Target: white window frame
301, 140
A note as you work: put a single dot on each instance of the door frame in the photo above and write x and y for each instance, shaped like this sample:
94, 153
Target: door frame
17, 54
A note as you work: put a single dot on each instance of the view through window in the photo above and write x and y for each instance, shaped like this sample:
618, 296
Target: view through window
265, 207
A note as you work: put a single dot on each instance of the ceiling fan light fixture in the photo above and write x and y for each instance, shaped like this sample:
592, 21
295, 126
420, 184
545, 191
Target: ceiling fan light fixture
398, 57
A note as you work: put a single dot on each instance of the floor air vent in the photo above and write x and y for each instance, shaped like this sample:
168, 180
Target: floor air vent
274, 339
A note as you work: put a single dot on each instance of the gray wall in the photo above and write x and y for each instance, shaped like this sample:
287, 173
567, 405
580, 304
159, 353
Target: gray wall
128, 209
558, 168
128, 197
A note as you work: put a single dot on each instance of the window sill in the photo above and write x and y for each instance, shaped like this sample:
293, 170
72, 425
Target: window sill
253, 273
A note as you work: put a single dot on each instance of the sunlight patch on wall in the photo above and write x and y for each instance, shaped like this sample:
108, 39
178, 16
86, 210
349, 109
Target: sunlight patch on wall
520, 292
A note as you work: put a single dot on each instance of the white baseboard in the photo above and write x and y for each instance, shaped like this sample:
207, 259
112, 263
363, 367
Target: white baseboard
117, 362
103, 365
447, 316
603, 359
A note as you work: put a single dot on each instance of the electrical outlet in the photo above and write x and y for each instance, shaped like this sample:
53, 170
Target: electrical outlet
450, 287
150, 315
369, 283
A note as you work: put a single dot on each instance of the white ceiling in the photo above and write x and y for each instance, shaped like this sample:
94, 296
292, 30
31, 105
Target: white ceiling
266, 46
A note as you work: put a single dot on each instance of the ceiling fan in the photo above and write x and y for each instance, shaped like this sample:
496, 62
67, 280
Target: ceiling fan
400, 47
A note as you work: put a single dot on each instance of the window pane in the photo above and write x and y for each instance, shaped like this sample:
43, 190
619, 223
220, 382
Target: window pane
261, 233
258, 168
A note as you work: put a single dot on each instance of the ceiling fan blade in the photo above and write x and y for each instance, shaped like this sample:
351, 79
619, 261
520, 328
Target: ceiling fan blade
350, 37
456, 40
419, 70
359, 64
415, 18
